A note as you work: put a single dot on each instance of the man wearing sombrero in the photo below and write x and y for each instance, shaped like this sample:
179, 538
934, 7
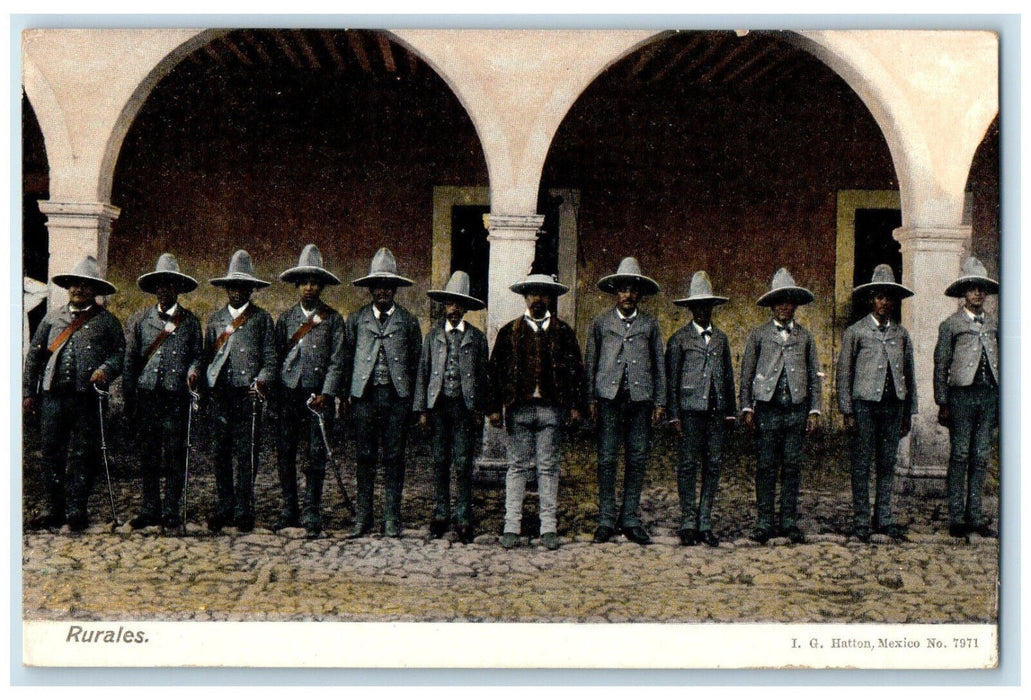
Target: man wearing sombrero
163, 356
780, 399
77, 347
310, 351
701, 397
239, 343
626, 393
536, 376
966, 389
449, 398
383, 340
876, 383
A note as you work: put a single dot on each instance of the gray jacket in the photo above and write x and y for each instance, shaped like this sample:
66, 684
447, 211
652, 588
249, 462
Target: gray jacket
248, 356
610, 346
696, 368
472, 366
316, 362
767, 355
401, 339
180, 352
958, 352
867, 355
98, 344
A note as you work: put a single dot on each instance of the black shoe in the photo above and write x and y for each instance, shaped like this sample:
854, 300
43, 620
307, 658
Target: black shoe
861, 533
896, 532
244, 523
77, 522
760, 535
438, 528
465, 533
637, 534
313, 531
984, 531
171, 521
509, 540
708, 538
285, 521
794, 534
550, 540
957, 530
46, 521
144, 520
360, 529
216, 522
391, 528
688, 538
603, 534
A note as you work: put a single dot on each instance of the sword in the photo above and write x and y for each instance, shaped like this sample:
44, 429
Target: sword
101, 396
255, 419
194, 406
329, 455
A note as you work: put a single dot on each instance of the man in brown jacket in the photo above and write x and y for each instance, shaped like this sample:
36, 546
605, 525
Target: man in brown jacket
536, 374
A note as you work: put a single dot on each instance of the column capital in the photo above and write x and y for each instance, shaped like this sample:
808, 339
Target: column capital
933, 239
514, 227
84, 215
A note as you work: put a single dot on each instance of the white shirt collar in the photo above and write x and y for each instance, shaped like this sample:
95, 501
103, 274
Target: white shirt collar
887, 324
460, 327
171, 311
781, 326
971, 314
699, 329
306, 312
74, 310
389, 312
235, 313
621, 317
533, 323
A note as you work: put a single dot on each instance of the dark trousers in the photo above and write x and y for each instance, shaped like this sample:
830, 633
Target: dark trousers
296, 422
454, 433
875, 446
70, 431
973, 415
625, 423
232, 412
161, 448
780, 435
701, 448
380, 420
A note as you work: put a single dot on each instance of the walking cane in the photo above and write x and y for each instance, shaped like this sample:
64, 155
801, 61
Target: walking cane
101, 396
255, 420
194, 406
329, 456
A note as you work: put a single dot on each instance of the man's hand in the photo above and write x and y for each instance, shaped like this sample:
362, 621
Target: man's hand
749, 418
812, 423
677, 426
317, 402
850, 423
907, 425
658, 414
192, 377
592, 412
99, 378
574, 417
257, 390
29, 403
943, 416
495, 419
424, 423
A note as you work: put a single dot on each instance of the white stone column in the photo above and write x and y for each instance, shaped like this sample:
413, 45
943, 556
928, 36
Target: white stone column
76, 229
931, 259
513, 240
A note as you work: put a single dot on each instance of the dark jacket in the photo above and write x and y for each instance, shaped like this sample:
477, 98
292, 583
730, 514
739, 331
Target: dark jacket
180, 352
958, 352
98, 344
472, 366
696, 369
401, 339
316, 362
250, 350
767, 355
514, 365
610, 345
867, 355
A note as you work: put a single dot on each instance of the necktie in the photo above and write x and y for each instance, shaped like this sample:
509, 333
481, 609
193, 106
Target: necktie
163, 316
979, 320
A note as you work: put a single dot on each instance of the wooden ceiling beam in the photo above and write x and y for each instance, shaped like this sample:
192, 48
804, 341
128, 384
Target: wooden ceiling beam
302, 39
678, 58
759, 55
744, 45
253, 42
388, 53
717, 42
647, 53
358, 47
285, 46
240, 55
329, 42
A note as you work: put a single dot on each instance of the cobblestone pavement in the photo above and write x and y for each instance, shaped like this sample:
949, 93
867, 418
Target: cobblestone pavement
123, 574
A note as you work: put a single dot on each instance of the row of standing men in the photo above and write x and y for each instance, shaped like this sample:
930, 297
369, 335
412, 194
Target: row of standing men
534, 383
